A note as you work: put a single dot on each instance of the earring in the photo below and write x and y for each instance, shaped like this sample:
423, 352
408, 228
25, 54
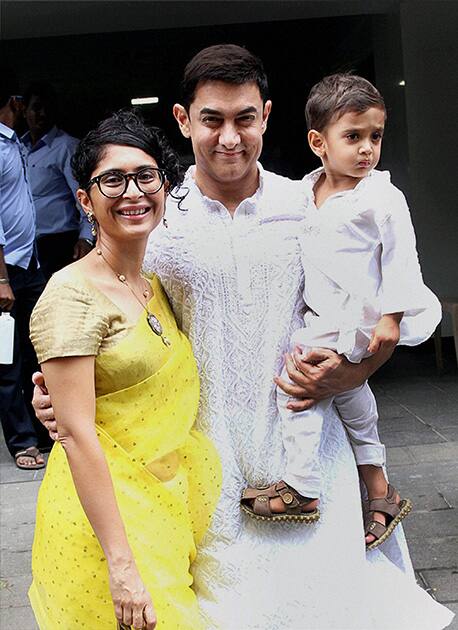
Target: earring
164, 221
92, 221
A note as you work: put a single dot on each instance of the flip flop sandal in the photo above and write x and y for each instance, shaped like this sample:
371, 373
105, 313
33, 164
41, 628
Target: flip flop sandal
256, 503
395, 513
31, 452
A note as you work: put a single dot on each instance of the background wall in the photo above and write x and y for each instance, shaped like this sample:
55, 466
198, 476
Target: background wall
429, 44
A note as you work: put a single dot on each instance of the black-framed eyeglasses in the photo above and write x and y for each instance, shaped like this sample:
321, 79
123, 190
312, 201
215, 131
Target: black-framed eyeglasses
114, 184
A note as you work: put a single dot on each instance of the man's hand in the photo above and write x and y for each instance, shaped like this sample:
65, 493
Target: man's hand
6, 297
41, 403
386, 333
322, 373
317, 375
81, 248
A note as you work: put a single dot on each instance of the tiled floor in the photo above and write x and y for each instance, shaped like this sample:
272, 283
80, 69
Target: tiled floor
419, 424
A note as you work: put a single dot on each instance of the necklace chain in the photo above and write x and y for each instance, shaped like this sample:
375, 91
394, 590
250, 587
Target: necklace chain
152, 320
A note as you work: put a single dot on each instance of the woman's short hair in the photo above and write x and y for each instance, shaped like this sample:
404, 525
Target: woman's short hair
125, 128
225, 62
337, 94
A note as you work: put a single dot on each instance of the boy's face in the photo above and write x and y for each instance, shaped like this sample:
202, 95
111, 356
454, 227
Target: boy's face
350, 146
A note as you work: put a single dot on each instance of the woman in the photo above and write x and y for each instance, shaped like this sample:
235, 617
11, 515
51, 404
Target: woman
130, 487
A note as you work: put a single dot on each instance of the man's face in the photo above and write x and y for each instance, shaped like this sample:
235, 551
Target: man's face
39, 116
225, 123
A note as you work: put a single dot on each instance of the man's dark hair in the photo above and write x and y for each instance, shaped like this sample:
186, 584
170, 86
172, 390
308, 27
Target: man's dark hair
45, 91
337, 94
224, 62
125, 128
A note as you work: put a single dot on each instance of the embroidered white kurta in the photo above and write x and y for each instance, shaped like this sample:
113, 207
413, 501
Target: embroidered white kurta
236, 286
360, 262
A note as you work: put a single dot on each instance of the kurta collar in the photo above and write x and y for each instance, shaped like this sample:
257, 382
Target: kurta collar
246, 206
311, 179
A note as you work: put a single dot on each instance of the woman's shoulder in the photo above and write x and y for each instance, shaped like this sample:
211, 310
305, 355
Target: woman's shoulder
74, 282
71, 277
68, 318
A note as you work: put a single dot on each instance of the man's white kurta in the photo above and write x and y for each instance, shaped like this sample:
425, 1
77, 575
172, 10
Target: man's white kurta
236, 288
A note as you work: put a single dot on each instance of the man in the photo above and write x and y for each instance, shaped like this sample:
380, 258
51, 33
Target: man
21, 283
63, 232
230, 264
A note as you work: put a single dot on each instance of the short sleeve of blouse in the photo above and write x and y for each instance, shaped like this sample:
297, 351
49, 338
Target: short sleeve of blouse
67, 321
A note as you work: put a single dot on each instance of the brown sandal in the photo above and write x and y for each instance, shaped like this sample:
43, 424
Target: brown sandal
32, 453
256, 503
395, 512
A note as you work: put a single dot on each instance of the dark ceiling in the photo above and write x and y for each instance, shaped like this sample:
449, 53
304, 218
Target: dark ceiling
24, 18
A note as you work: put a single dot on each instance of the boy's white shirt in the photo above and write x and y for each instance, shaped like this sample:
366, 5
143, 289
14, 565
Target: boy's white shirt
360, 262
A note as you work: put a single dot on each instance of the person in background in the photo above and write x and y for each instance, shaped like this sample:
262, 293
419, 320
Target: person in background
21, 283
63, 232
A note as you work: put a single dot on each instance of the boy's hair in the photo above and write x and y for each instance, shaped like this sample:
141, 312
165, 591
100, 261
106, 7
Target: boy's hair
337, 94
225, 62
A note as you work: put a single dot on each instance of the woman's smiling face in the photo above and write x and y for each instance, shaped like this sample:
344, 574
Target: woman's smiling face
134, 214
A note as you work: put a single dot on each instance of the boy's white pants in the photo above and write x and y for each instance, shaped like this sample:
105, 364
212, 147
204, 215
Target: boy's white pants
301, 431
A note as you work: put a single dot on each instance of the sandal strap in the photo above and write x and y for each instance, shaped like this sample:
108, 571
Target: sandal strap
31, 451
292, 500
261, 505
289, 496
376, 529
253, 493
385, 505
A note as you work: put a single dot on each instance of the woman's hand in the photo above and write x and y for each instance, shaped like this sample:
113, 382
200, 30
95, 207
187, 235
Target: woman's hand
132, 602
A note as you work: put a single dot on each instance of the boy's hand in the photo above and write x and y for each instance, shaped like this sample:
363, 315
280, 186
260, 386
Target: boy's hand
386, 333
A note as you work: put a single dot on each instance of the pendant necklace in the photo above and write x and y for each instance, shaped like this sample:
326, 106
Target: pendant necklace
153, 321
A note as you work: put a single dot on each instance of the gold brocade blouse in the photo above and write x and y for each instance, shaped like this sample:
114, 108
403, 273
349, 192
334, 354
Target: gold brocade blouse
75, 318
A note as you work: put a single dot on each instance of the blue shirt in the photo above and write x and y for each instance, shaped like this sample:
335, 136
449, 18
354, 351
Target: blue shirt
17, 213
53, 185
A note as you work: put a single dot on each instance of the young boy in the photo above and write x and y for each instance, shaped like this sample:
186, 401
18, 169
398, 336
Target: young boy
364, 288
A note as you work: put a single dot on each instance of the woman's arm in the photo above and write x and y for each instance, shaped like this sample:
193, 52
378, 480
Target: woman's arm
70, 382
